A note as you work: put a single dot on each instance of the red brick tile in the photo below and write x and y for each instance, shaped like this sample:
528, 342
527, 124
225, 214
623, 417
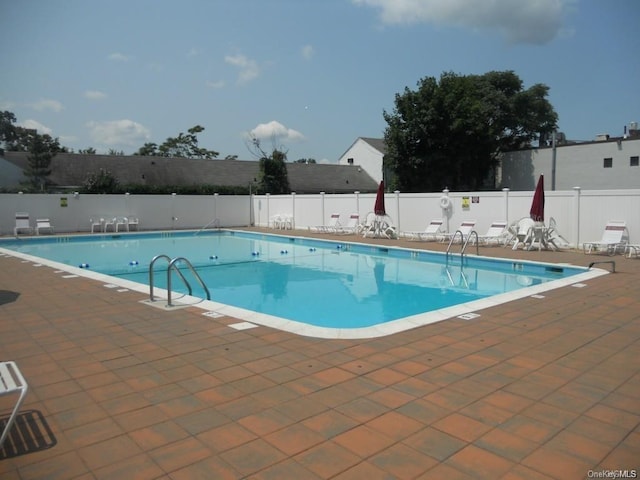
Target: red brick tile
506, 445
434, 443
139, 467
252, 457
402, 462
556, 464
294, 439
226, 437
327, 459
462, 427
108, 451
329, 423
176, 455
480, 463
395, 425
363, 441
158, 435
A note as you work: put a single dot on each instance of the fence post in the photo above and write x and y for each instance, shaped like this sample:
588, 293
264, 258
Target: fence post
268, 195
506, 205
357, 193
293, 210
397, 192
576, 215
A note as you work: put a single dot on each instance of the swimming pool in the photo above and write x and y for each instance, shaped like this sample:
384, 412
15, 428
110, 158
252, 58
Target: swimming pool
307, 285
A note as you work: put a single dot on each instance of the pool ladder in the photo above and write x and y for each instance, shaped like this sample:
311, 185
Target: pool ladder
173, 265
473, 233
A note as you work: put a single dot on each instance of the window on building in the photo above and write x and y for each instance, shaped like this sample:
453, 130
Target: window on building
608, 163
633, 161
350, 161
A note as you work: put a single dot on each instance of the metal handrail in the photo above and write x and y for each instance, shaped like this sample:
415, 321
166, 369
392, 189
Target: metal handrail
455, 234
173, 266
215, 222
464, 241
471, 234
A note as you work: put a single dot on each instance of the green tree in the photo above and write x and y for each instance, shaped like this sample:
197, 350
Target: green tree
41, 151
87, 151
8, 133
102, 181
184, 145
273, 177
305, 160
450, 133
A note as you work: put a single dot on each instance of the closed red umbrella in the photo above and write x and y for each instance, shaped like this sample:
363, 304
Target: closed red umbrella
378, 209
537, 206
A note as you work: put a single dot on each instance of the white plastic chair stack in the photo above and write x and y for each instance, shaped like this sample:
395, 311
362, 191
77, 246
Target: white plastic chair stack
11, 381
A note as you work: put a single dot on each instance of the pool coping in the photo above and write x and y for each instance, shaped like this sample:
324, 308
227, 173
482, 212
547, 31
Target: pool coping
465, 310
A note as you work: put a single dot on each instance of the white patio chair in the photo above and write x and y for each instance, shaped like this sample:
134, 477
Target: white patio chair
97, 224
111, 223
22, 224
11, 382
122, 222
133, 223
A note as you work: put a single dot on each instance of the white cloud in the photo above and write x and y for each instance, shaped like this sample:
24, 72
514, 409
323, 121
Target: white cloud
118, 132
276, 131
35, 125
307, 52
45, 104
249, 69
531, 21
119, 57
218, 84
94, 95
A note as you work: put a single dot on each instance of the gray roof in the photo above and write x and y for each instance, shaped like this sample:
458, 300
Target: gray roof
71, 169
377, 143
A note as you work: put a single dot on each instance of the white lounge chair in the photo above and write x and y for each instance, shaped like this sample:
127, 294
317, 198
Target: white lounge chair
431, 233
352, 226
496, 234
614, 238
332, 226
465, 228
43, 225
11, 382
22, 224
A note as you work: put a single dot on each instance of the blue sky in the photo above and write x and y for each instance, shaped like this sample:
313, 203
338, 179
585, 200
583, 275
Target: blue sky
309, 75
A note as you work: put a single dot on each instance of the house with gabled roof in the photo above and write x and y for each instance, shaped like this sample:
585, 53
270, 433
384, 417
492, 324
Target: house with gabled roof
366, 153
70, 170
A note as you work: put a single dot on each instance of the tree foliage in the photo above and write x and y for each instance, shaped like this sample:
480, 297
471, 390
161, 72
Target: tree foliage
41, 151
102, 181
273, 177
184, 145
449, 133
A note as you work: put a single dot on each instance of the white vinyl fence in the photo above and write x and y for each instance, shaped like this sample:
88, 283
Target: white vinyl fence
580, 215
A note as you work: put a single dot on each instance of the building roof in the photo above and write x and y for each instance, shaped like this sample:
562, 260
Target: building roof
72, 169
377, 143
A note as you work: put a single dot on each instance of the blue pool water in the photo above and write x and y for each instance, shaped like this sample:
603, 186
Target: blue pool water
325, 284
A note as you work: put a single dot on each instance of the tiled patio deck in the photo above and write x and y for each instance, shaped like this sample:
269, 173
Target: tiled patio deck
535, 389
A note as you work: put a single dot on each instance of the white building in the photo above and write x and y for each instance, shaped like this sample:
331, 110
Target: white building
366, 153
603, 164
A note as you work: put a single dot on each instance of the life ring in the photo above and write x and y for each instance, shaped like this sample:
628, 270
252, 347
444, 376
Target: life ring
445, 202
